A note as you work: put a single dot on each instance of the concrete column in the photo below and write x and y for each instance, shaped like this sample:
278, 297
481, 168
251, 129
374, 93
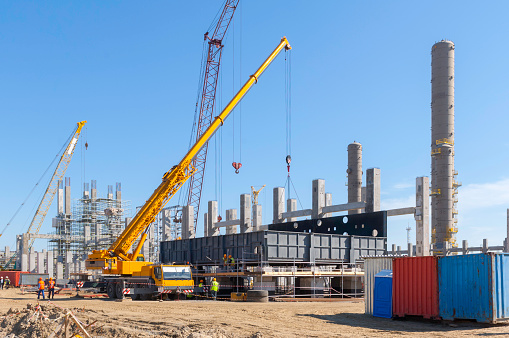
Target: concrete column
212, 214
118, 192
110, 192
166, 220
60, 198
60, 271
278, 204
49, 263
206, 225
40, 262
82, 266
363, 194
7, 252
465, 247
68, 196
188, 222
68, 257
328, 202
422, 216
98, 234
231, 214
257, 218
24, 262
86, 239
245, 213
410, 249
485, 245
86, 190
393, 248
291, 205
373, 190
93, 190
32, 267
318, 198
354, 172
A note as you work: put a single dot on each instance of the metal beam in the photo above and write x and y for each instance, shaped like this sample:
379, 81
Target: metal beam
401, 211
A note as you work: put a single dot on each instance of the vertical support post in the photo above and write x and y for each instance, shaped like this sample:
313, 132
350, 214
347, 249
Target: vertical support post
422, 216
328, 203
465, 247
507, 238
485, 245
245, 213
363, 194
60, 198
410, 249
93, 190
278, 204
373, 190
86, 239
24, 263
40, 262
291, 205
49, 263
212, 214
394, 249
318, 198
257, 217
60, 270
231, 214
206, 225
32, 262
68, 196
188, 222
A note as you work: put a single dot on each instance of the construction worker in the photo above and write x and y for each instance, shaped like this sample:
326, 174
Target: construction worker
225, 261
51, 289
214, 288
7, 282
41, 288
231, 262
2, 282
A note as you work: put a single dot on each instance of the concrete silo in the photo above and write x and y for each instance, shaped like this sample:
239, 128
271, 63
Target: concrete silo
443, 183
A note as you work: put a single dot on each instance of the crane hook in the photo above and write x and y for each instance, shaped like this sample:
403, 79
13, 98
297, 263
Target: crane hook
86, 145
237, 166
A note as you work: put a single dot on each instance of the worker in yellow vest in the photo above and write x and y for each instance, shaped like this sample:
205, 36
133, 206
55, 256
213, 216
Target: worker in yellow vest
51, 289
214, 288
231, 262
41, 288
225, 262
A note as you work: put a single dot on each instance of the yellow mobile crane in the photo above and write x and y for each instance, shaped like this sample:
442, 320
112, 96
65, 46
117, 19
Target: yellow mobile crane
135, 276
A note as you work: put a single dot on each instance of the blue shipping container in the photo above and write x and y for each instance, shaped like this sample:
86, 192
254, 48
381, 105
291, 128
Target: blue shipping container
474, 287
382, 302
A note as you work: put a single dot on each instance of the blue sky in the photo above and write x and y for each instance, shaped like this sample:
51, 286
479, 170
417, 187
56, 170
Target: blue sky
360, 71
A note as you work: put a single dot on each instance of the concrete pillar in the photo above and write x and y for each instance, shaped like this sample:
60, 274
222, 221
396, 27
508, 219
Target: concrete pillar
278, 204
212, 214
87, 236
93, 189
410, 249
422, 216
465, 247
24, 262
257, 217
206, 225
363, 194
110, 192
354, 172
188, 222
7, 252
291, 205
82, 266
328, 202
231, 214
49, 263
485, 245
40, 262
245, 213
86, 190
118, 192
318, 198
68, 257
68, 196
32, 262
60, 271
393, 248
60, 198
373, 190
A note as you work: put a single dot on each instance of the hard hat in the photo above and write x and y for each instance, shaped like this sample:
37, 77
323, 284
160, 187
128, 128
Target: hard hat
213, 279
50, 278
201, 280
230, 256
40, 278
225, 255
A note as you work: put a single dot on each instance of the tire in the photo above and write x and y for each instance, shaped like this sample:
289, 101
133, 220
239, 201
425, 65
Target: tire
119, 290
146, 296
260, 296
110, 290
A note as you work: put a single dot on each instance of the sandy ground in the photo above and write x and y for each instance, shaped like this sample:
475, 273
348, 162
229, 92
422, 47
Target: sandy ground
205, 318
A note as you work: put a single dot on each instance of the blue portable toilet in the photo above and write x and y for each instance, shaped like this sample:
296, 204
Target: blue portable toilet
382, 302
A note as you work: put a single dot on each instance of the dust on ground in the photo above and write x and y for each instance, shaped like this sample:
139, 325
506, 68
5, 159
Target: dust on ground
221, 319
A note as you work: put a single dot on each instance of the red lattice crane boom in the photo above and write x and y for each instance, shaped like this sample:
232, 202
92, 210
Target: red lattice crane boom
207, 100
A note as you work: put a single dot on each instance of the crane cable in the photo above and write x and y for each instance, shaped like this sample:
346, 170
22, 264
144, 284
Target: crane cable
288, 110
237, 165
39, 181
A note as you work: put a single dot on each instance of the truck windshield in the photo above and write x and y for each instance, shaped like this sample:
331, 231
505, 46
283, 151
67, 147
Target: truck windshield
176, 272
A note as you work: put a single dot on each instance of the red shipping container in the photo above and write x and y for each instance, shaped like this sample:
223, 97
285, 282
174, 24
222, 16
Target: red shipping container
415, 287
13, 276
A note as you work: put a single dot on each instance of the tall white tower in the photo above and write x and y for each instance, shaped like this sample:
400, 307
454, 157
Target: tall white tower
443, 184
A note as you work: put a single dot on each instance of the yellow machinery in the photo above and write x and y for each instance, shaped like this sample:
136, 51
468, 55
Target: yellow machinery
51, 190
134, 271
255, 194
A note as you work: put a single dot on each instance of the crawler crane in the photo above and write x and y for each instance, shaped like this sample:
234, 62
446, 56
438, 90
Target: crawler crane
130, 273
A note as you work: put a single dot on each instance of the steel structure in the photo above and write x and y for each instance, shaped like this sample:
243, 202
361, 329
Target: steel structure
207, 101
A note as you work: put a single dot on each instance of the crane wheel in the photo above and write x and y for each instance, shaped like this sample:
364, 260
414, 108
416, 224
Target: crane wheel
110, 290
119, 290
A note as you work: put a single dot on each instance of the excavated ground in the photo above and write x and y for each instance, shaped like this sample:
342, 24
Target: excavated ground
204, 318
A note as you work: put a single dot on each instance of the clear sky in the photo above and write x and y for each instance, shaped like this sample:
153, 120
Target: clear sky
360, 71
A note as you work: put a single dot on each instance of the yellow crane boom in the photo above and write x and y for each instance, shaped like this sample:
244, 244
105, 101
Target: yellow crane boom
171, 183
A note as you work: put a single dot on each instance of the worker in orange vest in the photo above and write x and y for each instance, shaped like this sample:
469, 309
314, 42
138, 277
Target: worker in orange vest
51, 289
41, 288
